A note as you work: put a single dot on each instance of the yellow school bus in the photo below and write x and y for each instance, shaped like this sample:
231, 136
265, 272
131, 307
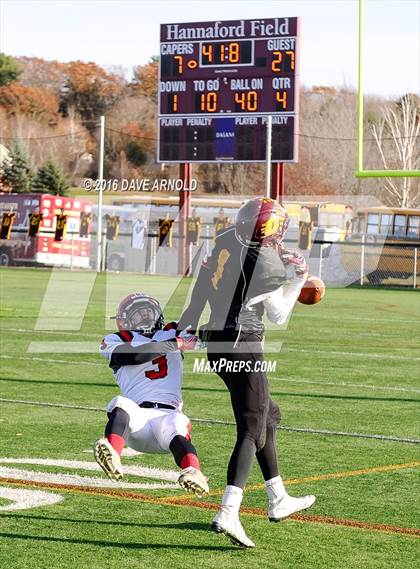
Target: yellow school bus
395, 225
391, 236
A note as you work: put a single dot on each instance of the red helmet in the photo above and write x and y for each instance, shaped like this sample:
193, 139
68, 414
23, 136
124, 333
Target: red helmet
138, 311
261, 222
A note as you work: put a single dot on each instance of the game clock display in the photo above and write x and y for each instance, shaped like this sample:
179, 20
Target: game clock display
228, 69
226, 53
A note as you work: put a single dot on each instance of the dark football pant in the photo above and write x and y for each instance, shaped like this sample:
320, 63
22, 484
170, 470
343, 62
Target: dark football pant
256, 414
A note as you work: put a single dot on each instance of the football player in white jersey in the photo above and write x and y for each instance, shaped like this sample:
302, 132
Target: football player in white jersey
147, 362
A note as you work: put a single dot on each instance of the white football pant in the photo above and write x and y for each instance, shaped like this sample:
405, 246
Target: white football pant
151, 430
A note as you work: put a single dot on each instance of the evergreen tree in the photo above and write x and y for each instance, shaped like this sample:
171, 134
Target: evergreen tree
135, 153
9, 69
17, 170
50, 179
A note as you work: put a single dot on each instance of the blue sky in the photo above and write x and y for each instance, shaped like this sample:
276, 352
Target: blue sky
126, 33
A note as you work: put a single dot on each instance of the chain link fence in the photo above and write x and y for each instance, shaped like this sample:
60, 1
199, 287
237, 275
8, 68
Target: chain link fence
119, 255
339, 263
366, 263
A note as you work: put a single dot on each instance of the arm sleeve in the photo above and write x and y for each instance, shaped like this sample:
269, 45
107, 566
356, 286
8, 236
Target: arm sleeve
279, 304
199, 297
268, 272
127, 354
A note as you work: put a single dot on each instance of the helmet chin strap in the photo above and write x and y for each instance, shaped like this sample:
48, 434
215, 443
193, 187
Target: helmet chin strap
250, 244
150, 329
244, 242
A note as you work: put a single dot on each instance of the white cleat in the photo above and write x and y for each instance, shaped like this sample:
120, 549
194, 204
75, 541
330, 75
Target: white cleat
193, 480
108, 459
280, 508
231, 526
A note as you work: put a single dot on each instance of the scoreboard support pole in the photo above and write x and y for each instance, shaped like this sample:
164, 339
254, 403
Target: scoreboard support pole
277, 181
185, 174
269, 131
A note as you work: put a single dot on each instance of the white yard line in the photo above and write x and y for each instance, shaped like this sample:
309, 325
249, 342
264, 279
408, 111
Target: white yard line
56, 332
366, 355
59, 405
344, 384
332, 383
356, 319
314, 315
22, 499
230, 423
126, 453
76, 480
188, 372
53, 361
144, 471
353, 354
64, 347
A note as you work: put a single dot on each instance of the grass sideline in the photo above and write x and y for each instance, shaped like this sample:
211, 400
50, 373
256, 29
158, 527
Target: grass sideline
358, 346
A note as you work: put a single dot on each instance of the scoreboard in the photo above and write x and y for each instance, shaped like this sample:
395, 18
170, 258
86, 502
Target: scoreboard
218, 83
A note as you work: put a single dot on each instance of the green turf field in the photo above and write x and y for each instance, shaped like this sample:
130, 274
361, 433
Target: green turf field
349, 365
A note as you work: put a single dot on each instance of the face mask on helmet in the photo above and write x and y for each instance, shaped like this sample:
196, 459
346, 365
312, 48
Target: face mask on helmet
261, 222
139, 312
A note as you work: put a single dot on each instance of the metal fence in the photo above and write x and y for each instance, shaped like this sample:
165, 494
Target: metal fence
338, 263
366, 263
119, 255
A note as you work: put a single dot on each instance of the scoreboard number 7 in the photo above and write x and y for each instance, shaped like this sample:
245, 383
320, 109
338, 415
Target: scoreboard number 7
292, 59
180, 61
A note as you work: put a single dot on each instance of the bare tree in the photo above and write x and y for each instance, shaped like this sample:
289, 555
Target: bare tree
400, 125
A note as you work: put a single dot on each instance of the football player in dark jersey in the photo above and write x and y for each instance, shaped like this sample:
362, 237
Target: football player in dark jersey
244, 277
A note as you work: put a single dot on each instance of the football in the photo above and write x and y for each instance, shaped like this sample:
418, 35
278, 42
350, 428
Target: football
313, 291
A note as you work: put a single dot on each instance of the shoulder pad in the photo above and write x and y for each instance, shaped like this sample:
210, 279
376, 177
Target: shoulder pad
125, 335
109, 343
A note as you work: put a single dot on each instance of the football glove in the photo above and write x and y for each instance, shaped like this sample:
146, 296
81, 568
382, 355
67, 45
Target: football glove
186, 332
188, 342
296, 260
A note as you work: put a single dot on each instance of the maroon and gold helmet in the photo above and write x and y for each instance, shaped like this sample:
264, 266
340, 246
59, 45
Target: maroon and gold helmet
261, 222
140, 312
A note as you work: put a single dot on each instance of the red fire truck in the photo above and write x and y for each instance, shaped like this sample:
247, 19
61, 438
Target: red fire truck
72, 251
